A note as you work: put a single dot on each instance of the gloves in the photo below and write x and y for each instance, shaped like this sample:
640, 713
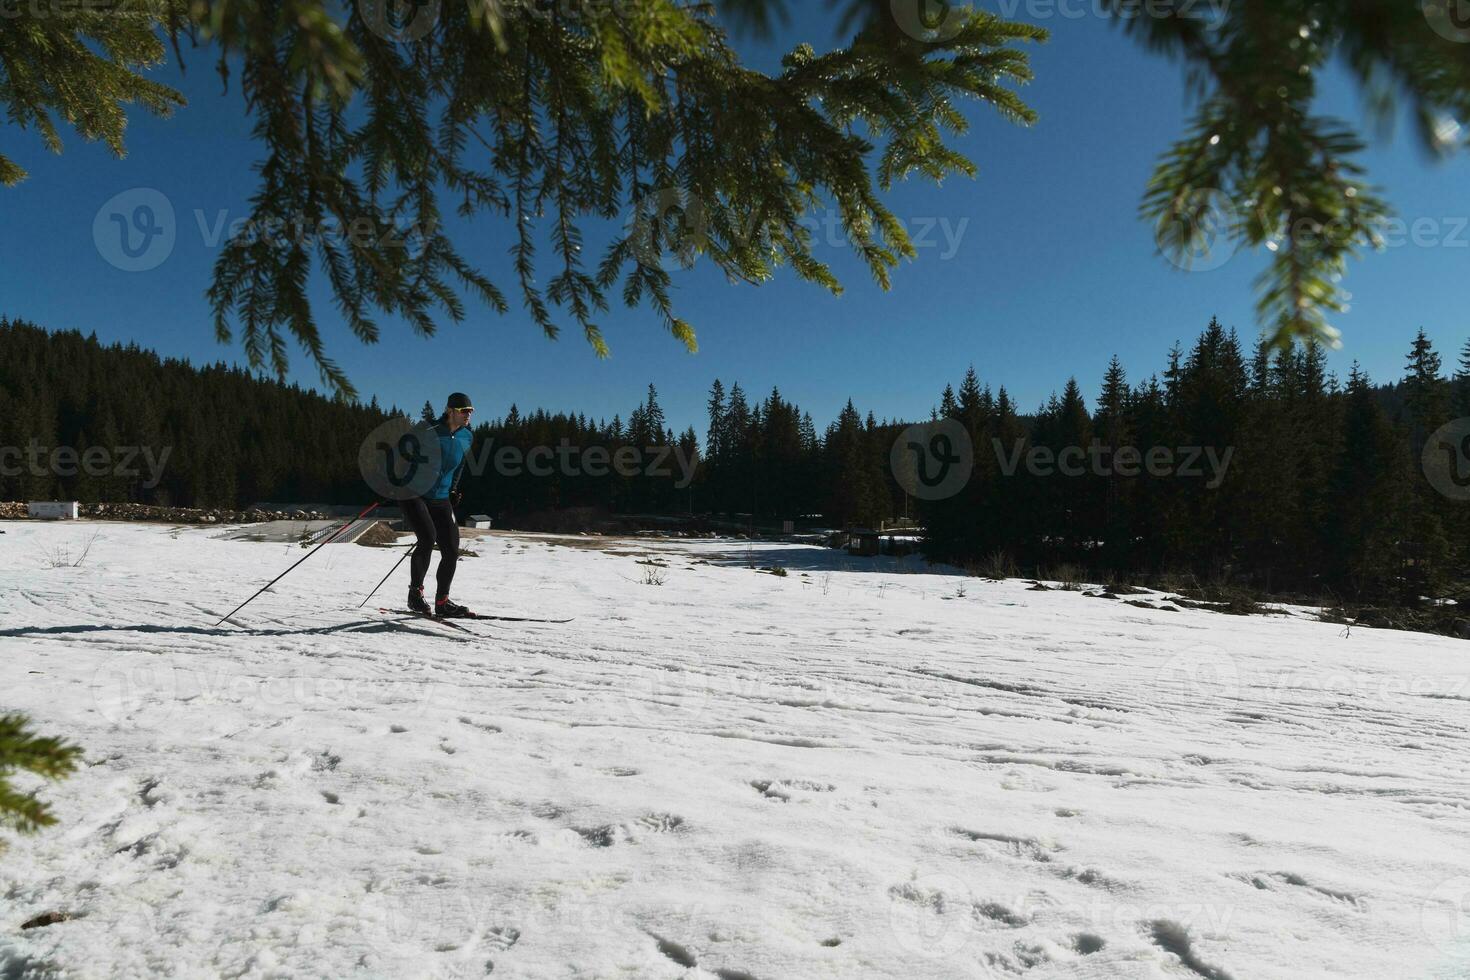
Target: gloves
455, 496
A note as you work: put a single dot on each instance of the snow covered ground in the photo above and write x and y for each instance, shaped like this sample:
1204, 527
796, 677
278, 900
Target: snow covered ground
860, 769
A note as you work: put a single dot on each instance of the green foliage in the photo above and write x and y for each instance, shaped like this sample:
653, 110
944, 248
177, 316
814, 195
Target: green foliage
1288, 177
552, 115
21, 750
81, 63
545, 115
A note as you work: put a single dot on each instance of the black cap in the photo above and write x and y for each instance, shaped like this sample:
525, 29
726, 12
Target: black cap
460, 400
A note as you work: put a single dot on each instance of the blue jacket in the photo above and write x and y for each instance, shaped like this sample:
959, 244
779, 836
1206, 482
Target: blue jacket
452, 452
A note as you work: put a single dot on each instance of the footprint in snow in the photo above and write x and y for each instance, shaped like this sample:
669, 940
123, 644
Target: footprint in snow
604, 836
1021, 958
1174, 938
1263, 883
782, 789
148, 793
1093, 879
997, 913
1022, 847
503, 937
661, 823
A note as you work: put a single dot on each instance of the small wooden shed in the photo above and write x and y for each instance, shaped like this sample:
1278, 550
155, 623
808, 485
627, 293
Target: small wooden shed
864, 542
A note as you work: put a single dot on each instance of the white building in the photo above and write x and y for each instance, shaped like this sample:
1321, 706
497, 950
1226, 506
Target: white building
54, 510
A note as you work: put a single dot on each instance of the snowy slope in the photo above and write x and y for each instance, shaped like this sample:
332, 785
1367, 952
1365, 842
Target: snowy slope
844, 772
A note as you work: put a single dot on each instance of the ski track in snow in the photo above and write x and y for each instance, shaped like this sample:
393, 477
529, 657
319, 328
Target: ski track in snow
854, 770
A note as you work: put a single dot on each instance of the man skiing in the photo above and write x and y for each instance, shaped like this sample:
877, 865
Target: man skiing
431, 516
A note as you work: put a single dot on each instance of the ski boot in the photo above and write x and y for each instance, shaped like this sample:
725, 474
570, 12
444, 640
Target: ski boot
446, 609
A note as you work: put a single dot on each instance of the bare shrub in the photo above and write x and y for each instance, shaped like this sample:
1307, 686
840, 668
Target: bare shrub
60, 556
998, 565
1068, 577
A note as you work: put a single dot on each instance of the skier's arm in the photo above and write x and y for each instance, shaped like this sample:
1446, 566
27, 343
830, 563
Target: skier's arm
454, 494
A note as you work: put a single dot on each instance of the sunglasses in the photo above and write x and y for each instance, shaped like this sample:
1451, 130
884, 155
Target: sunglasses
467, 411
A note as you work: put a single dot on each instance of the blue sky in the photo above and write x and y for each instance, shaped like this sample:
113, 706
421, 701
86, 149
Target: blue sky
1039, 269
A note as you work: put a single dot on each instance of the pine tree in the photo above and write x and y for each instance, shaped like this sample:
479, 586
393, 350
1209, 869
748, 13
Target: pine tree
1156, 508
715, 435
973, 411
740, 460
1261, 366
1111, 429
1173, 374
948, 407
1462, 384
852, 497
638, 431
1364, 494
1426, 513
1010, 519
653, 417
21, 750
1112, 405
1424, 391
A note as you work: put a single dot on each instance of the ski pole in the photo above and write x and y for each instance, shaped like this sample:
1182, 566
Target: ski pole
293, 568
387, 577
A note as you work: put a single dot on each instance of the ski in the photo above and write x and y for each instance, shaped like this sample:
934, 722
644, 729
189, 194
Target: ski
520, 619
476, 617
426, 616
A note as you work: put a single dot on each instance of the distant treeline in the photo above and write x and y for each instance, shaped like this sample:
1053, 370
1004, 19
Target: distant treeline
1324, 492
759, 460
1309, 483
231, 437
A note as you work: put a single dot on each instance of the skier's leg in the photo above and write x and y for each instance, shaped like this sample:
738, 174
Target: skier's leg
416, 513
446, 531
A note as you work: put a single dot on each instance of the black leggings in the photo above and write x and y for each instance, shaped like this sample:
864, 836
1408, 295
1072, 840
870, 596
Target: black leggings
433, 521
